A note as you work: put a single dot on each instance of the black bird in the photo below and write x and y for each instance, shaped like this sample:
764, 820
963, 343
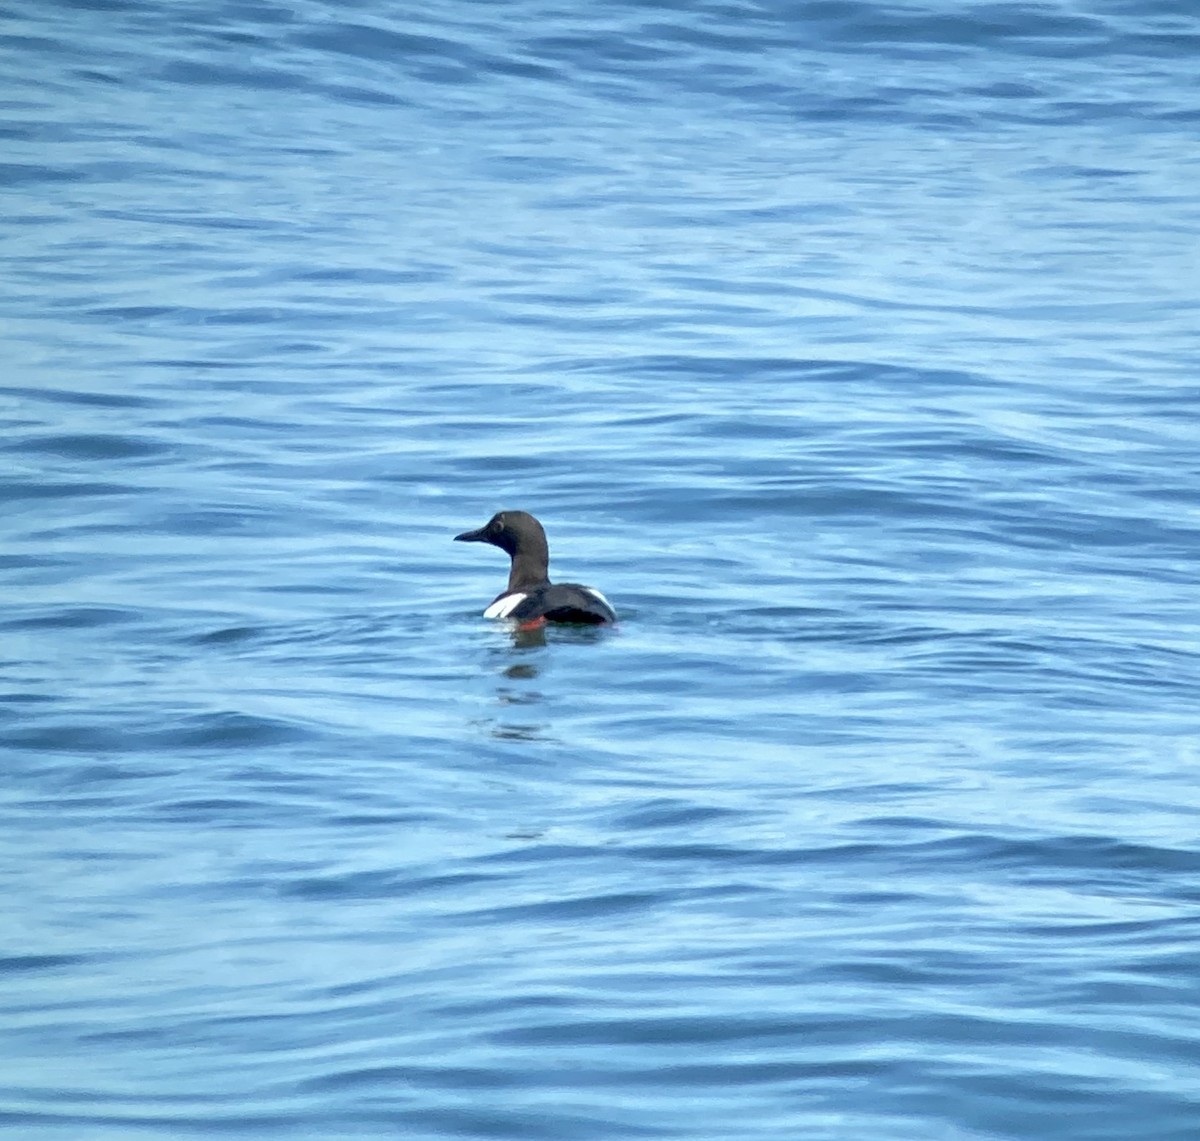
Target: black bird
531, 598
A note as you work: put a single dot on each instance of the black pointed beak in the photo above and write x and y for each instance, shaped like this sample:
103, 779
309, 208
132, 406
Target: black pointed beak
472, 536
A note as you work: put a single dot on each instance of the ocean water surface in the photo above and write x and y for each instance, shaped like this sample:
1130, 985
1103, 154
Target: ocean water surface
849, 347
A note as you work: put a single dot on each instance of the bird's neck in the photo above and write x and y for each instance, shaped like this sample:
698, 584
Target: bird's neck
529, 569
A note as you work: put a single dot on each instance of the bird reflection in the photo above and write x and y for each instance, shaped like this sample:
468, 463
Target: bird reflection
514, 691
519, 662
529, 639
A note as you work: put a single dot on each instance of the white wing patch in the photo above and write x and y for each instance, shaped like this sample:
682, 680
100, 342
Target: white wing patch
596, 594
503, 607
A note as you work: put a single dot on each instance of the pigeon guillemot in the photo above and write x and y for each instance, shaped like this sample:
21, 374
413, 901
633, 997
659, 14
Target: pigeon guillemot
531, 599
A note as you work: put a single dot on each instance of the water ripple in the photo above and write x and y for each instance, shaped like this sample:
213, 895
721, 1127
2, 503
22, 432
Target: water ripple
849, 348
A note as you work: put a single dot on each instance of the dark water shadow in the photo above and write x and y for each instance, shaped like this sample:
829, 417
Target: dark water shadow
520, 662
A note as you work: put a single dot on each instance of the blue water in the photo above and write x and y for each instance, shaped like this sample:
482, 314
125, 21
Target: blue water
849, 347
